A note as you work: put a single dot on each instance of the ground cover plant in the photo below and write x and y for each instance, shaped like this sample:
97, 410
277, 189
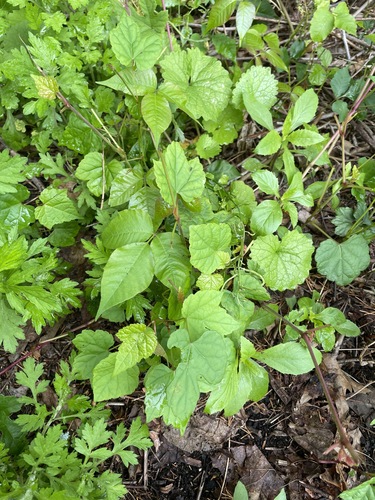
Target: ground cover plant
177, 155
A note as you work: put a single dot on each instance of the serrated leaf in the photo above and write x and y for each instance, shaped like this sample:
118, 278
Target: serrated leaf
201, 311
106, 385
207, 147
57, 207
289, 358
305, 138
321, 24
259, 84
210, 246
137, 342
93, 346
11, 172
266, 182
129, 271
343, 20
132, 81
343, 262
269, 145
199, 79
220, 12
266, 217
286, 263
178, 176
171, 257
10, 331
135, 43
46, 86
210, 282
156, 113
244, 18
128, 226
302, 112
93, 168
13, 255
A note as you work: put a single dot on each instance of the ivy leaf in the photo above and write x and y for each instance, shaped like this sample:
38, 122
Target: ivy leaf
179, 176
286, 263
266, 217
290, 358
201, 311
321, 24
11, 172
200, 79
302, 112
10, 331
137, 342
210, 246
244, 18
156, 113
57, 207
266, 182
132, 81
269, 145
258, 84
91, 170
172, 265
135, 43
107, 385
93, 346
129, 271
126, 183
343, 262
128, 226
220, 12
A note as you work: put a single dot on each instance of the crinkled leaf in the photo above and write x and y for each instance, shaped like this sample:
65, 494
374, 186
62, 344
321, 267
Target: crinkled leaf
207, 147
179, 176
259, 84
107, 385
46, 86
11, 172
286, 263
128, 226
343, 262
290, 358
137, 342
201, 79
57, 207
129, 271
210, 246
10, 331
156, 113
93, 346
12, 255
210, 282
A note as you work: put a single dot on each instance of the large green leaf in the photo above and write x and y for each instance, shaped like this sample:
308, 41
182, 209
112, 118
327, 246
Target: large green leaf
12, 255
129, 271
137, 342
11, 172
220, 12
93, 169
107, 385
156, 113
132, 81
93, 346
210, 246
172, 265
286, 263
178, 176
258, 84
198, 78
202, 311
125, 185
57, 207
321, 24
343, 262
128, 226
291, 358
10, 331
135, 43
266, 217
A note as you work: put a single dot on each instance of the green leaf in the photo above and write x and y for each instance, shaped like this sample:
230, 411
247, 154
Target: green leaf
132, 81
289, 358
125, 185
13, 255
210, 246
321, 24
137, 342
178, 176
198, 78
107, 385
57, 207
259, 85
93, 346
302, 112
93, 168
11, 172
156, 113
258, 111
244, 18
365, 491
240, 492
266, 217
201, 311
135, 43
220, 12
266, 182
210, 282
343, 262
171, 257
128, 226
269, 145
207, 147
305, 138
343, 19
46, 86
10, 331
156, 382
286, 263
341, 82
250, 287
129, 271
